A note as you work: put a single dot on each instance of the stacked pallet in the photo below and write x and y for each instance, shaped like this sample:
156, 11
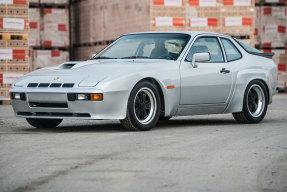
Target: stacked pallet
14, 60
95, 22
272, 35
49, 33
232, 17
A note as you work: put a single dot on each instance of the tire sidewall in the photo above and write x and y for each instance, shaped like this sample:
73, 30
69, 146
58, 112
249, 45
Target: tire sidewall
246, 112
131, 106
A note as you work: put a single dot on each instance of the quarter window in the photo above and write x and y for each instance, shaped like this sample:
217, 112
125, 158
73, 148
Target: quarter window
207, 45
231, 51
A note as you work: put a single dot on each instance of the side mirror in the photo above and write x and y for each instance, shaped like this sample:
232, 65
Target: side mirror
93, 55
200, 57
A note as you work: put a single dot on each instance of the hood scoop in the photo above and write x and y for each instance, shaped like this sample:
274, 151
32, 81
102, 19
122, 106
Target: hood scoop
68, 65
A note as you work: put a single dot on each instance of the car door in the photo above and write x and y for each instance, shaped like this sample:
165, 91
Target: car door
210, 82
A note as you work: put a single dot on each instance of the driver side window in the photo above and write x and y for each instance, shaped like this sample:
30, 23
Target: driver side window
206, 45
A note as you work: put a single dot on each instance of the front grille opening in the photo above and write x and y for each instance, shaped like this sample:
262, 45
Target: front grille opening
32, 85
25, 113
56, 85
48, 105
48, 114
52, 85
68, 85
44, 85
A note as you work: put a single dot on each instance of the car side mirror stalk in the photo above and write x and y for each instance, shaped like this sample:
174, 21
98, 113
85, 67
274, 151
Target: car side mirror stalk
199, 57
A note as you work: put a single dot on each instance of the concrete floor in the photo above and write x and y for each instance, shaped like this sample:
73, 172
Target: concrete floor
200, 153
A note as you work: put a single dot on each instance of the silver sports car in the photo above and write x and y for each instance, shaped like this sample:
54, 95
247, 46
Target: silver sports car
142, 78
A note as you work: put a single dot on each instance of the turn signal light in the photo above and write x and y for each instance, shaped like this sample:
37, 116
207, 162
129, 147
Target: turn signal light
170, 86
85, 96
96, 96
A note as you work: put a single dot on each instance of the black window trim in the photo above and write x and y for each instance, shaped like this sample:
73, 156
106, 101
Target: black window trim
205, 36
145, 33
241, 56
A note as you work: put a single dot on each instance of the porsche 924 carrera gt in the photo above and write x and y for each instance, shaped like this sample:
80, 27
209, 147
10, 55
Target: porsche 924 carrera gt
142, 78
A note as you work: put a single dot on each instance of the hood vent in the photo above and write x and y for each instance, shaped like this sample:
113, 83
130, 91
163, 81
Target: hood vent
52, 85
68, 65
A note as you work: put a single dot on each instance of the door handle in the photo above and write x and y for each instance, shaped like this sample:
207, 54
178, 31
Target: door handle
224, 71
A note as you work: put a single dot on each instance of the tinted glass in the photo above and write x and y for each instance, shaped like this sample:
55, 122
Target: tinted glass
248, 47
231, 51
150, 46
207, 45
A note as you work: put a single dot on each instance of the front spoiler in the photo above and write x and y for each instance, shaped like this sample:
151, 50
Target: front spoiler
113, 106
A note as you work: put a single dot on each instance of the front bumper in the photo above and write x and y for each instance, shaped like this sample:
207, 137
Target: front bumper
54, 104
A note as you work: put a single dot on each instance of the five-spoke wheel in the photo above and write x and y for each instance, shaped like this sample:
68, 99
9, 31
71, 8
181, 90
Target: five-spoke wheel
143, 108
254, 104
145, 105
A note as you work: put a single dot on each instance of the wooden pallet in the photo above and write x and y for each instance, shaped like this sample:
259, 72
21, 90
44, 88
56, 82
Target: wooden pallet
13, 36
5, 102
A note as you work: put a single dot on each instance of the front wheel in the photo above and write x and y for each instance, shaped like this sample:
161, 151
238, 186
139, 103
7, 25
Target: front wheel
254, 104
44, 123
143, 108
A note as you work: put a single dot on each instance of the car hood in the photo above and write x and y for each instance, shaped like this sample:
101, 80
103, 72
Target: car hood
89, 73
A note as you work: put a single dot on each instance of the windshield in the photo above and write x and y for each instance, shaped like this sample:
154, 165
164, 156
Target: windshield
147, 46
247, 47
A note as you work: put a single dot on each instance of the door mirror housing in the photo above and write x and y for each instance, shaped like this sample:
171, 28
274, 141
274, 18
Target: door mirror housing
199, 57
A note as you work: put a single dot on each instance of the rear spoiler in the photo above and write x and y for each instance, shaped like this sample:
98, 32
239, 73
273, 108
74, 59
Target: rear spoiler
267, 55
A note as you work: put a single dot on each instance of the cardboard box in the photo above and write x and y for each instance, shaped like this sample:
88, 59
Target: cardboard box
108, 19
34, 24
273, 26
57, 2
85, 53
13, 24
48, 58
55, 29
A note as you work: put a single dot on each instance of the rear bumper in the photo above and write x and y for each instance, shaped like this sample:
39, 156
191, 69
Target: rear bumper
55, 105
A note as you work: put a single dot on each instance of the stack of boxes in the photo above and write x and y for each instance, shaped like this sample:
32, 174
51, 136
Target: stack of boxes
270, 29
14, 60
95, 23
203, 15
49, 33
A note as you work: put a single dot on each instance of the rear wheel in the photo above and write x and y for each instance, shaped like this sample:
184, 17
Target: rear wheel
254, 104
44, 123
143, 108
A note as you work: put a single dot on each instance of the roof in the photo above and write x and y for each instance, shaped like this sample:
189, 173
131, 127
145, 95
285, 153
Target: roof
192, 33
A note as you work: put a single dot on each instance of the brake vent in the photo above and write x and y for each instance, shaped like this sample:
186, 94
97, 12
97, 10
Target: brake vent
56, 85
52, 85
44, 85
33, 85
68, 85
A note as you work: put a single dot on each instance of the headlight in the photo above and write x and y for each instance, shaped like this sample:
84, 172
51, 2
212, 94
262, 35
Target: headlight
82, 96
85, 96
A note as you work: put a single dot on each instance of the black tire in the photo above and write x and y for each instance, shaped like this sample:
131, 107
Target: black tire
44, 123
252, 113
143, 108
165, 118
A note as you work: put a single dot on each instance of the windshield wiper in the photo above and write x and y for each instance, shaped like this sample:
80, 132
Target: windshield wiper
103, 57
136, 57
